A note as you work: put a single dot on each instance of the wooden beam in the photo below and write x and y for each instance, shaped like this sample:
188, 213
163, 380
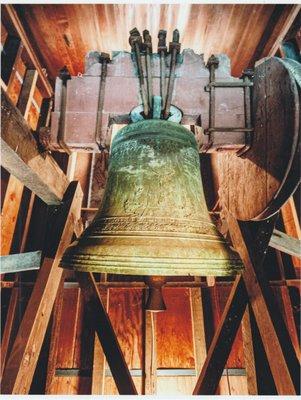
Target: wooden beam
278, 25
20, 367
275, 337
103, 327
21, 157
27, 45
249, 356
222, 341
20, 262
292, 226
285, 243
286, 21
198, 327
27, 91
99, 358
150, 353
9, 325
9, 213
55, 331
277, 344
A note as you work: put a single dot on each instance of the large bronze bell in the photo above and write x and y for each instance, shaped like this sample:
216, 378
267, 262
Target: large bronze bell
153, 219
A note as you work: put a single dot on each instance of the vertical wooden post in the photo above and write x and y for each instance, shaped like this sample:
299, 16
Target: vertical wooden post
198, 328
150, 353
99, 358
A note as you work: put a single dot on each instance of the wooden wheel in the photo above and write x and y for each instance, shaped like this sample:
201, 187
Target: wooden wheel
256, 185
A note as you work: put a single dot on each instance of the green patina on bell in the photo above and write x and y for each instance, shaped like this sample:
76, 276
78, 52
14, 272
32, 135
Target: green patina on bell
153, 219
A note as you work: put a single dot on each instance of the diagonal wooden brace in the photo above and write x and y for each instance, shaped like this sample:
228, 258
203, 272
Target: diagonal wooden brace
252, 286
100, 320
21, 364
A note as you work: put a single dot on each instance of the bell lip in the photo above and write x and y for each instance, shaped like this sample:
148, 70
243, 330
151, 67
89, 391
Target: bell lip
220, 269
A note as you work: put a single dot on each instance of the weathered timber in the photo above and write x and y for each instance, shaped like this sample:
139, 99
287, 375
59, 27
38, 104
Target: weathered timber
99, 358
100, 321
198, 327
249, 353
20, 367
21, 157
10, 11
277, 343
285, 243
53, 349
9, 213
27, 91
20, 262
221, 344
292, 226
251, 284
150, 351
274, 32
9, 326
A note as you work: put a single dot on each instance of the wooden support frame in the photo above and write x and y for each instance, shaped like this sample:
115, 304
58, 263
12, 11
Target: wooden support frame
21, 157
22, 361
103, 327
15, 20
252, 286
20, 367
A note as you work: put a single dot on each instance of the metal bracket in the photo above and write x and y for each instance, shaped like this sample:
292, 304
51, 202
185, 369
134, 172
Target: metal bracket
245, 83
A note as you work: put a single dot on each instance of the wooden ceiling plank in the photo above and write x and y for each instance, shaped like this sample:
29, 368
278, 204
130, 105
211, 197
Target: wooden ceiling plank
21, 157
22, 34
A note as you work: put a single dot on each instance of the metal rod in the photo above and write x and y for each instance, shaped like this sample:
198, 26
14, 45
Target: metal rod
104, 58
148, 50
212, 65
230, 84
142, 285
174, 49
162, 49
247, 76
64, 76
135, 42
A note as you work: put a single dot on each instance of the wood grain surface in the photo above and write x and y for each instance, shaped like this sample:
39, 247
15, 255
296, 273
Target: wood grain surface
251, 186
63, 35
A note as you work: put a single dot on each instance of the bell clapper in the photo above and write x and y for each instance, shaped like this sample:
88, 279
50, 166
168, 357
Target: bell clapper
155, 300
